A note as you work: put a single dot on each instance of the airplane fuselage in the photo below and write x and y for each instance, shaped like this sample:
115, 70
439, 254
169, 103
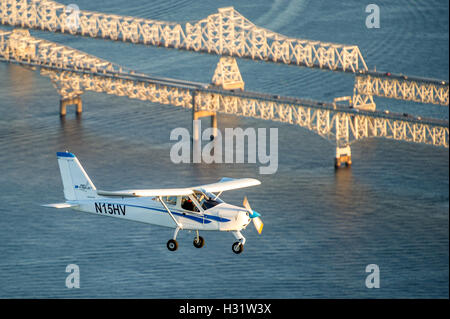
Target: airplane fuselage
223, 217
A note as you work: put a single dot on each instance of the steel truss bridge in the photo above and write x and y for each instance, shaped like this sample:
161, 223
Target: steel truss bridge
230, 35
227, 33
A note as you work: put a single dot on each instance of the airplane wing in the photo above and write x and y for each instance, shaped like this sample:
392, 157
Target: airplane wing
226, 184
147, 192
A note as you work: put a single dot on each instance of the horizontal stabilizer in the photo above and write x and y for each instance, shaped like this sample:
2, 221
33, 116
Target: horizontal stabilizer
59, 205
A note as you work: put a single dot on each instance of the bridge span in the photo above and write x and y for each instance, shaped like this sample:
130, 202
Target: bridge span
73, 72
224, 33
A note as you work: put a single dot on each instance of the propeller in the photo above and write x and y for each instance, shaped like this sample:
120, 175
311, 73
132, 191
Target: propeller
255, 216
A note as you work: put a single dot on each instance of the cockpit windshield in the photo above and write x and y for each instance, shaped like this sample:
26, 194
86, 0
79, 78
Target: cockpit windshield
207, 200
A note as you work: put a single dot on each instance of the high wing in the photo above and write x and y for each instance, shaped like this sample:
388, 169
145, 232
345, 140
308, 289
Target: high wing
226, 184
147, 192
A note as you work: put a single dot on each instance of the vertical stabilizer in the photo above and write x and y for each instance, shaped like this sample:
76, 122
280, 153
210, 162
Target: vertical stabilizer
77, 184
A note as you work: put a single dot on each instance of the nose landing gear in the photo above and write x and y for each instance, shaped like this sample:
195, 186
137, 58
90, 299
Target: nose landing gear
238, 247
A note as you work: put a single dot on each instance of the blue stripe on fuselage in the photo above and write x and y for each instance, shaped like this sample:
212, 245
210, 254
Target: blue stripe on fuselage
217, 218
197, 219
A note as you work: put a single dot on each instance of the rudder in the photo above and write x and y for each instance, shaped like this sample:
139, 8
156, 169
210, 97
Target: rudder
77, 184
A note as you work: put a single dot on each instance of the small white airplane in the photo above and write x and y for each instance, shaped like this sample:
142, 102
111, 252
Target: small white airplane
195, 208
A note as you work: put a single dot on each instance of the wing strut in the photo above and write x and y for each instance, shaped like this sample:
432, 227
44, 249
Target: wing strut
218, 195
170, 213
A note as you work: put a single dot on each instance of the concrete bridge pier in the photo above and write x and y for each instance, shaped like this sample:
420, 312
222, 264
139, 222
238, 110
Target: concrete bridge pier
64, 102
197, 134
196, 129
343, 156
196, 115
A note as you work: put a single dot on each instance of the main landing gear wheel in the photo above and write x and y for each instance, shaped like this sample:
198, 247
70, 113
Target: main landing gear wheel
237, 247
200, 243
172, 245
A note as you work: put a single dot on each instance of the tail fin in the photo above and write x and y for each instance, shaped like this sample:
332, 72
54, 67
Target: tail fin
77, 184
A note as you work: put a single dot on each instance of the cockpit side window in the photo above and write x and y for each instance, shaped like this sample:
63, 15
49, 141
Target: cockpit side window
209, 203
187, 204
171, 200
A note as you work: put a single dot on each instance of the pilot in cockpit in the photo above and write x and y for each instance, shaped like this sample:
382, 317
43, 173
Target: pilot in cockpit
187, 204
208, 200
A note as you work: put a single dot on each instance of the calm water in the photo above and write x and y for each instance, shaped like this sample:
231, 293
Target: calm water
321, 227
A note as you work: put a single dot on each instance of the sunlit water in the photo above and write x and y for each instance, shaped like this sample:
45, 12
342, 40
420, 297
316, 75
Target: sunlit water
322, 228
